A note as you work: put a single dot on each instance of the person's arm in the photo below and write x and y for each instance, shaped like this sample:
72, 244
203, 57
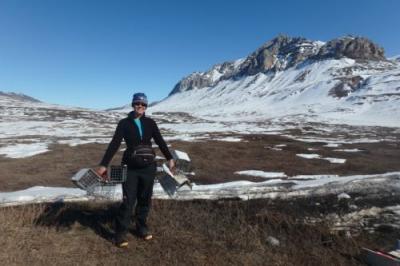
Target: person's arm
163, 147
112, 147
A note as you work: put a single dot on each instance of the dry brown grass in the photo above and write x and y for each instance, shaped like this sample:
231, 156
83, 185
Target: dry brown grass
225, 158
193, 232
186, 233
53, 168
213, 161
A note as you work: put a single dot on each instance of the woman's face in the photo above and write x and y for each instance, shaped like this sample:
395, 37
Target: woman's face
139, 108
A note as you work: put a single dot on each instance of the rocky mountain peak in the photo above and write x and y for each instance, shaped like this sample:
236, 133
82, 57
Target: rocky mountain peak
281, 53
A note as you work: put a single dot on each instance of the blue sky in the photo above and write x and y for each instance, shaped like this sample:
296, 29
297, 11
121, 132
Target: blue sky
95, 53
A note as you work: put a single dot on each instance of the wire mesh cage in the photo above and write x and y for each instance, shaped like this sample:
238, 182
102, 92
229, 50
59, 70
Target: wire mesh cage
107, 191
172, 182
86, 179
108, 187
183, 163
117, 174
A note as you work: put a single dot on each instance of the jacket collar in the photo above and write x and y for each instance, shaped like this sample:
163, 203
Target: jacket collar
131, 115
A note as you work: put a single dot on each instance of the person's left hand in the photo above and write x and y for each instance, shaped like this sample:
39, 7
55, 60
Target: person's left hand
171, 165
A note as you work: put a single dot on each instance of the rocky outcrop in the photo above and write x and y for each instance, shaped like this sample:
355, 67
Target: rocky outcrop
194, 80
351, 47
206, 79
346, 86
278, 54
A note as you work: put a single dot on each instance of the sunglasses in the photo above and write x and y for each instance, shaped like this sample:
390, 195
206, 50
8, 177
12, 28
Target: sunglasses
140, 104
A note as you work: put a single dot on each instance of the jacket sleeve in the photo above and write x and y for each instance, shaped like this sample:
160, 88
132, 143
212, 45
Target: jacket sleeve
113, 146
160, 142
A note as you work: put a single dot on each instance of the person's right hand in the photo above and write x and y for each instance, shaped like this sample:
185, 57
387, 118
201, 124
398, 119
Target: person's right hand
102, 171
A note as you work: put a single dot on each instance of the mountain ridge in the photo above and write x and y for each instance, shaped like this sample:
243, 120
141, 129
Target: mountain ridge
281, 53
346, 80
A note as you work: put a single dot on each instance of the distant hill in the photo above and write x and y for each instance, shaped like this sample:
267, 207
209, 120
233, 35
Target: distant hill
127, 108
19, 97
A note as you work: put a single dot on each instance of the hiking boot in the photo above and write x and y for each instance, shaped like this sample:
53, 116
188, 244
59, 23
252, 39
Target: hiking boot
121, 241
146, 236
143, 231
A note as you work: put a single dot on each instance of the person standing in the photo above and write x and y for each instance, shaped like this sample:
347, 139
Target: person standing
137, 130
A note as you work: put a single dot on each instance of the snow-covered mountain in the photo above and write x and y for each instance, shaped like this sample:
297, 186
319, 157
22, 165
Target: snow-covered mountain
395, 58
29, 126
12, 96
346, 80
127, 107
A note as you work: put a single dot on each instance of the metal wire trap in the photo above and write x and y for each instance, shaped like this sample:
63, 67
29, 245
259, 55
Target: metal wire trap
172, 182
106, 188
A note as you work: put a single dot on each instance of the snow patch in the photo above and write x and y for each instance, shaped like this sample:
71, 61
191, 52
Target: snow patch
309, 156
229, 139
282, 188
24, 150
262, 174
334, 160
41, 194
348, 150
332, 145
317, 156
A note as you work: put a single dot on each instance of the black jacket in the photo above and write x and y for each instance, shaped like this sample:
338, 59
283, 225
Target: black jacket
128, 131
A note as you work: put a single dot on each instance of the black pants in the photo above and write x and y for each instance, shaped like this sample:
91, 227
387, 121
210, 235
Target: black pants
138, 190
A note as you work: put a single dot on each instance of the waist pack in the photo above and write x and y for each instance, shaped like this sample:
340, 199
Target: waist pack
142, 156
